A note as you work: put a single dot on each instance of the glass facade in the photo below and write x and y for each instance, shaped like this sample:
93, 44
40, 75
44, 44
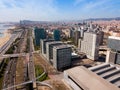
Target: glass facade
114, 44
39, 34
56, 35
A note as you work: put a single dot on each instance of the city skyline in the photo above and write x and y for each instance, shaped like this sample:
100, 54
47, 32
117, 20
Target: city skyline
52, 10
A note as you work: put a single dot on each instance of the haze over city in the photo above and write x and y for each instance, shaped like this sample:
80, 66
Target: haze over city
59, 44
53, 10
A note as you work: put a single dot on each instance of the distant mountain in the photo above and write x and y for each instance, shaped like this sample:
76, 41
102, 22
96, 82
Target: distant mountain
105, 19
32, 22
66, 21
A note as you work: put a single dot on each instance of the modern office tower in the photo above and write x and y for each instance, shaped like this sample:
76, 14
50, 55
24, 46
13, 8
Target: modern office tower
81, 33
101, 36
89, 45
56, 35
76, 36
61, 56
39, 34
101, 77
91, 25
114, 43
79, 44
43, 45
49, 49
113, 55
72, 32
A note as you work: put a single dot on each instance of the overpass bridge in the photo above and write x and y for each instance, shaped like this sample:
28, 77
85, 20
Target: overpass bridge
2, 56
34, 81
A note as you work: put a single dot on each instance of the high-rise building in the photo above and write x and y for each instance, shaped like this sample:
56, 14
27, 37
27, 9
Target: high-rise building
56, 35
39, 34
82, 33
89, 45
72, 33
76, 36
49, 49
101, 36
43, 45
113, 54
61, 56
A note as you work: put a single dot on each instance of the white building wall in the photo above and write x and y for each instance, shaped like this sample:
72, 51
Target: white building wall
70, 82
89, 46
55, 58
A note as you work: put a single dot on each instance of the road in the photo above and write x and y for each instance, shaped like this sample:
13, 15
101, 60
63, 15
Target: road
9, 79
21, 70
7, 45
10, 74
31, 68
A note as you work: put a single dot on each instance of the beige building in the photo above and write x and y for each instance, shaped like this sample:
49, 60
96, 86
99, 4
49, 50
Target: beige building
102, 77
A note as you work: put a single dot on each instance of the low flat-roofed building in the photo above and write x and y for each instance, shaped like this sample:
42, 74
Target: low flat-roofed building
113, 55
101, 77
114, 43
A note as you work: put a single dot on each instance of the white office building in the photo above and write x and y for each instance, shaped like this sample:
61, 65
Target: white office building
89, 45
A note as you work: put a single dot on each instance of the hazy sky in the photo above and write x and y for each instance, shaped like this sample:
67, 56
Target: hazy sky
15, 10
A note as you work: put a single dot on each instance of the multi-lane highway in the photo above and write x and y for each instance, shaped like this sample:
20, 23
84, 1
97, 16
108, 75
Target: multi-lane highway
7, 45
9, 79
9, 76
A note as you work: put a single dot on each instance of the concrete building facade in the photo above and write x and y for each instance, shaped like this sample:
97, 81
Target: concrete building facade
89, 45
43, 45
61, 56
101, 77
77, 35
113, 54
49, 49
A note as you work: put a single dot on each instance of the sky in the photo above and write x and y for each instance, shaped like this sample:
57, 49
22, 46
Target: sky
54, 10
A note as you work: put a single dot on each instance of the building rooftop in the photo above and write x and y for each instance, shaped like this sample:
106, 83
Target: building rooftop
113, 37
48, 40
62, 46
101, 77
54, 42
